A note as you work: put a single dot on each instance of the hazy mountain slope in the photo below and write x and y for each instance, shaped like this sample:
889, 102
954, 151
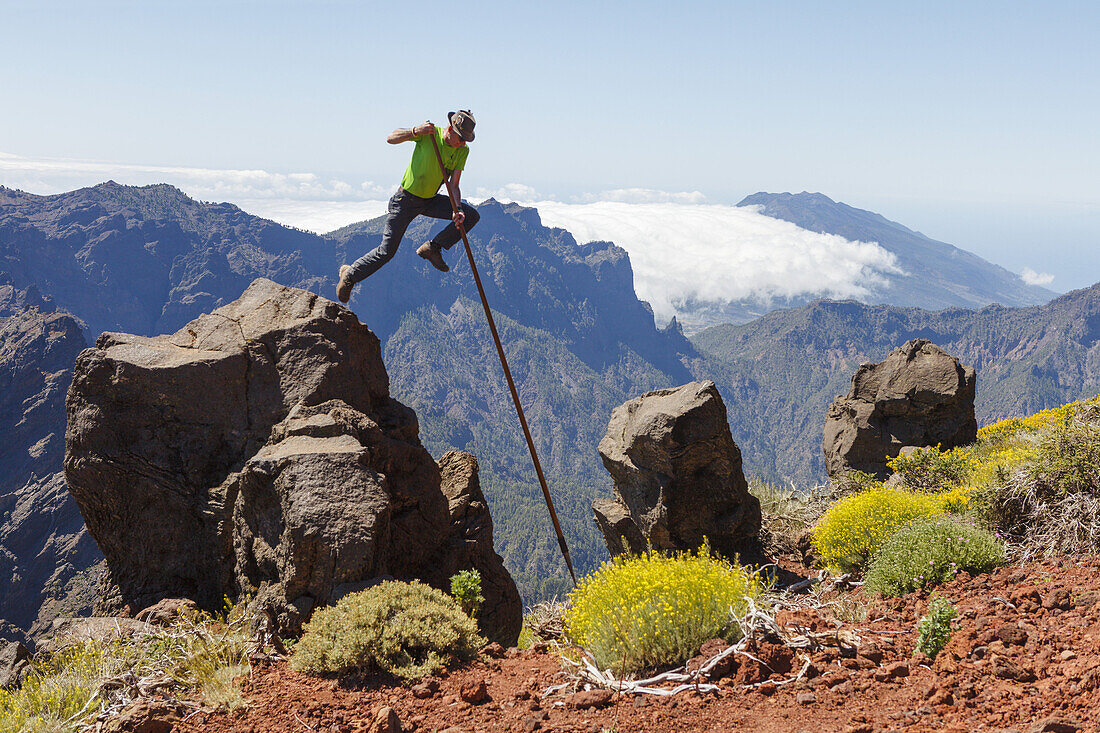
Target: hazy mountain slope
148, 259
937, 275
780, 372
46, 554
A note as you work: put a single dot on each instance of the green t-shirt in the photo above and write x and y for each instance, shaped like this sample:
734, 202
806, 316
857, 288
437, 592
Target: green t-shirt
422, 177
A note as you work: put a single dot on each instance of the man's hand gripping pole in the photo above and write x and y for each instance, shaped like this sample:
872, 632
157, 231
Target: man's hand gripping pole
504, 363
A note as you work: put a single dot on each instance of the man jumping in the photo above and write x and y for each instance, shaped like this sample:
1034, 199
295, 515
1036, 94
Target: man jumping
417, 195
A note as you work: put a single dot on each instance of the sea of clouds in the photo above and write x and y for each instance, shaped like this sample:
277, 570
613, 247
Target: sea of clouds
720, 254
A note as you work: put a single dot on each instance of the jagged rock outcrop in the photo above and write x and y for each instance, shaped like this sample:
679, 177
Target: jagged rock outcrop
46, 555
470, 543
677, 474
257, 449
918, 396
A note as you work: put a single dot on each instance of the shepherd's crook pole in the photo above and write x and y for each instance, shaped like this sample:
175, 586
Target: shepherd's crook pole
504, 363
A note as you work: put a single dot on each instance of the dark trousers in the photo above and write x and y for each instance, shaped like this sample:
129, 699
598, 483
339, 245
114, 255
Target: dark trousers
403, 208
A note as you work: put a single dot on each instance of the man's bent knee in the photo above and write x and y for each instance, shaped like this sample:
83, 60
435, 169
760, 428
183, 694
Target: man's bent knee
472, 217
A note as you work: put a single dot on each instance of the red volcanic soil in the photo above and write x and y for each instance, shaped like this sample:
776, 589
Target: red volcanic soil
1025, 657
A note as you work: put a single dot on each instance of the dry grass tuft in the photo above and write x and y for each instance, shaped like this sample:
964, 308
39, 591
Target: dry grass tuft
787, 513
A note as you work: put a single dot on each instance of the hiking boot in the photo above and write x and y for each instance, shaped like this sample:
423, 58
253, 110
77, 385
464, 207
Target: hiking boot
343, 288
432, 253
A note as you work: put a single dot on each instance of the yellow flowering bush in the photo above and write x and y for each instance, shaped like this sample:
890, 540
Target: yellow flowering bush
1053, 417
851, 531
639, 612
956, 500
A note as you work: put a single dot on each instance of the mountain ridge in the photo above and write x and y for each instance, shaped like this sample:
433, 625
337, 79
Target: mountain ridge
926, 260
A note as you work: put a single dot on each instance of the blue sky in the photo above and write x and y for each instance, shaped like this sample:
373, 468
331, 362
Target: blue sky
975, 123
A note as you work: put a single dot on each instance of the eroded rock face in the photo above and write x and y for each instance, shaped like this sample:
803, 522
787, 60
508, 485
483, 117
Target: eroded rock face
918, 396
677, 475
258, 450
470, 545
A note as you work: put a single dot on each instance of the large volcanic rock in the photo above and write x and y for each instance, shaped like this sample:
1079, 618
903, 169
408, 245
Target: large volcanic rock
257, 450
677, 474
46, 555
918, 396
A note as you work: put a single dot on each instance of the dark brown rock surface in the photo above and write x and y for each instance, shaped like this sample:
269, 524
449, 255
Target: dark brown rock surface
918, 396
677, 474
258, 450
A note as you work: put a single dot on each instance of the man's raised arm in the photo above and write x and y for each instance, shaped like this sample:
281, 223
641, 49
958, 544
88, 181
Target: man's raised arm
404, 134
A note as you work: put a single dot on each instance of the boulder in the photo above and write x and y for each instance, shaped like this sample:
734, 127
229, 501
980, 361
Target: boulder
68, 632
257, 451
677, 474
918, 396
15, 664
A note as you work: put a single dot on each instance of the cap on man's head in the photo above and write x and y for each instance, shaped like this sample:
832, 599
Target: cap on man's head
463, 123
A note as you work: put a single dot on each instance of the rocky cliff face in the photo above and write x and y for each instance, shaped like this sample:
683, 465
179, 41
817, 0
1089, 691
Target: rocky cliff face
46, 555
258, 449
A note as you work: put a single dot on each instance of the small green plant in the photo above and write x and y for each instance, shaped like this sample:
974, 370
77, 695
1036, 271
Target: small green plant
466, 589
850, 532
929, 551
407, 629
935, 628
640, 612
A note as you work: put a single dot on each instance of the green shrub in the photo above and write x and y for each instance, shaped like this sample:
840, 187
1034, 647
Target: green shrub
931, 469
1047, 500
639, 612
850, 532
929, 551
407, 629
1068, 459
935, 628
466, 589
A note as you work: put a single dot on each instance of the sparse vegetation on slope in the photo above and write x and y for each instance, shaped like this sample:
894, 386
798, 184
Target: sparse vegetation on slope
198, 658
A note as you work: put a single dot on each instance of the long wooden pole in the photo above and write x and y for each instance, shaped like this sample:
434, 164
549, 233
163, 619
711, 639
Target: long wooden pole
504, 363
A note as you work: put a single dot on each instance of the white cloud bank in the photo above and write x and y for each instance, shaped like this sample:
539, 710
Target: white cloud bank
1031, 277
720, 254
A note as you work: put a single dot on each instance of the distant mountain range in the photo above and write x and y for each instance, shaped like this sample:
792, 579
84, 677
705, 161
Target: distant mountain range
934, 275
147, 260
780, 372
